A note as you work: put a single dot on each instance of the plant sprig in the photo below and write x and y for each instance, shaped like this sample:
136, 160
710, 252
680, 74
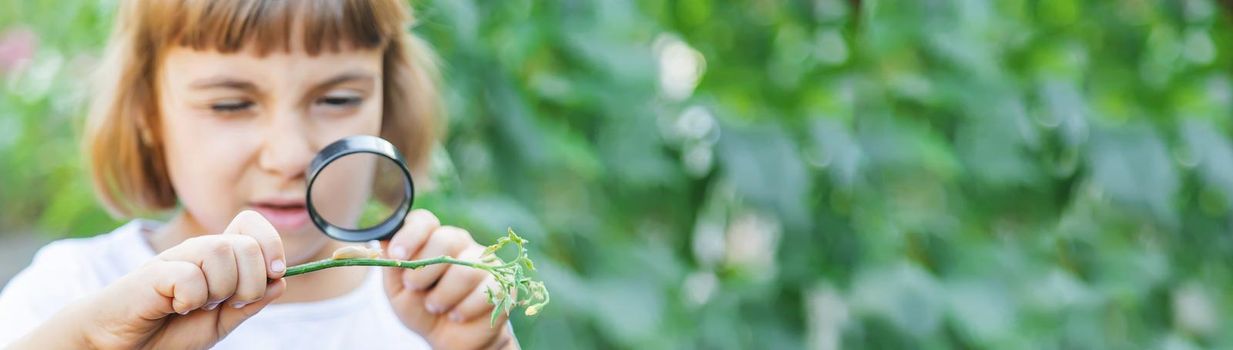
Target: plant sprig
515, 287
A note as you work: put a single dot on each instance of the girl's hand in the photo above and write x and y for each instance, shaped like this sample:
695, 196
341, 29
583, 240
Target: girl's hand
446, 304
189, 297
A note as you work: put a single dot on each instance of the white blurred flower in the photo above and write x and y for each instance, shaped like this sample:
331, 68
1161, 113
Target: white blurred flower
697, 130
826, 314
698, 287
752, 242
696, 123
680, 67
708, 240
1193, 310
698, 159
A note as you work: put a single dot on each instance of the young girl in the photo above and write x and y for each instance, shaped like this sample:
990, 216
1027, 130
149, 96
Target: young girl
212, 110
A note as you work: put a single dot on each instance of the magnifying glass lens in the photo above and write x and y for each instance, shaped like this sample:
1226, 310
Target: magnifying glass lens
359, 189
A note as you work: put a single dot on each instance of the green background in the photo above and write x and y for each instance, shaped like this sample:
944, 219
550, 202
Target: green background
792, 174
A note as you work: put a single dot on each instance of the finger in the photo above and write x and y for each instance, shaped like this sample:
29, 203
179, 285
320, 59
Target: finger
250, 265
456, 283
505, 340
183, 283
415, 230
410, 238
476, 303
220, 272
252, 224
231, 318
445, 241
214, 256
501, 319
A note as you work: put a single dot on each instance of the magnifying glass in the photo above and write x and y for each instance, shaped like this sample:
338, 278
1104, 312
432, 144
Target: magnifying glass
359, 189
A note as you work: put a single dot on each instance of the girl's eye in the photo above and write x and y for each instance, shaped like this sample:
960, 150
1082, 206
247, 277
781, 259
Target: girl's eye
230, 106
339, 100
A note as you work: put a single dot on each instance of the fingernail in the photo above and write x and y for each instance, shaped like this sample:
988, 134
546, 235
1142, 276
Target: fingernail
399, 253
278, 266
432, 308
455, 316
239, 305
212, 306
185, 312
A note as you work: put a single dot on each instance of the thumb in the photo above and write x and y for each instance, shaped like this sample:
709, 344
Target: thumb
230, 318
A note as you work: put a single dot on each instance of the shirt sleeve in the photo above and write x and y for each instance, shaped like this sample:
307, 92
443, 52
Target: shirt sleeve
54, 279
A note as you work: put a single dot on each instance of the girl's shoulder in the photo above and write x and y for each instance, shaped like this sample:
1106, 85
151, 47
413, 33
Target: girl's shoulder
65, 270
107, 256
88, 263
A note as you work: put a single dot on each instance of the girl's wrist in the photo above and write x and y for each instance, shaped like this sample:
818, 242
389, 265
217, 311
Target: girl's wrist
64, 330
90, 322
83, 325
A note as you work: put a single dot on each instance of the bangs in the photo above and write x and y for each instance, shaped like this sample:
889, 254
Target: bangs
232, 25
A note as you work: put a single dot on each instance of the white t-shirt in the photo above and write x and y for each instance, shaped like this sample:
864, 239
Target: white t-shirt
66, 270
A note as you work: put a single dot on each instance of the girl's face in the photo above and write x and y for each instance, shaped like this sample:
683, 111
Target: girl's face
240, 129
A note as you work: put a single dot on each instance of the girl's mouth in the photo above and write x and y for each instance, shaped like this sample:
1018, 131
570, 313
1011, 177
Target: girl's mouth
286, 216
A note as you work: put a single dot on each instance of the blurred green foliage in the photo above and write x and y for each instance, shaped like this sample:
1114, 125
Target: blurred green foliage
787, 174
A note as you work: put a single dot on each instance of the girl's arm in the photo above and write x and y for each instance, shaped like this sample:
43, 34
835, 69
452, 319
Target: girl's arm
188, 297
54, 279
62, 331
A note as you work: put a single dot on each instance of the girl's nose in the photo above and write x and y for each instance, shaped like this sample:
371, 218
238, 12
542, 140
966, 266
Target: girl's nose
287, 149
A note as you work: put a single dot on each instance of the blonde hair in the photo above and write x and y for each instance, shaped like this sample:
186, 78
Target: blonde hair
122, 140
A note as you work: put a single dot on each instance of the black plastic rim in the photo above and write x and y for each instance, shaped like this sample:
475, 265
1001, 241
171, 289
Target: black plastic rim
352, 145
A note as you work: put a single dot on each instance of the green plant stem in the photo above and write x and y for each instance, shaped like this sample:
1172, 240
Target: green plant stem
409, 264
516, 288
